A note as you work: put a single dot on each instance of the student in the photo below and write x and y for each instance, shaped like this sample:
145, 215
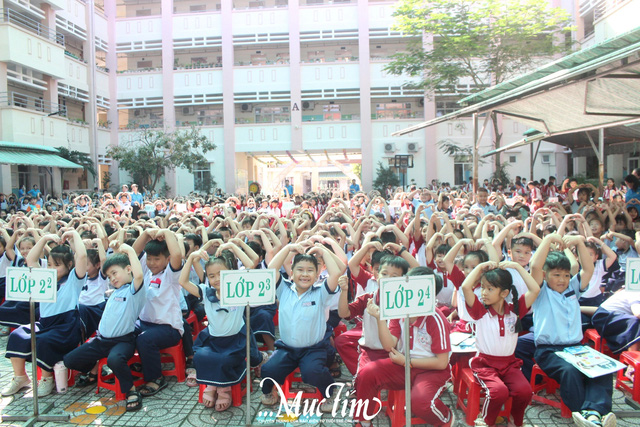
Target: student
161, 323
482, 194
116, 339
220, 348
617, 320
59, 328
91, 303
16, 313
497, 326
557, 325
429, 362
594, 296
302, 319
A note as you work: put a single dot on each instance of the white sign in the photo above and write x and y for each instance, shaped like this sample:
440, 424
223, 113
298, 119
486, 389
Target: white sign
39, 284
632, 278
407, 296
241, 287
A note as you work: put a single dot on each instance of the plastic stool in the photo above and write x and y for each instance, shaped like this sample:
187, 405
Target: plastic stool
630, 358
289, 394
550, 386
174, 354
396, 410
237, 393
470, 390
339, 330
196, 326
591, 335
115, 387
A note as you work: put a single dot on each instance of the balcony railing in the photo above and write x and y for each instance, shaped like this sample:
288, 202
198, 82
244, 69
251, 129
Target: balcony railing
12, 17
16, 99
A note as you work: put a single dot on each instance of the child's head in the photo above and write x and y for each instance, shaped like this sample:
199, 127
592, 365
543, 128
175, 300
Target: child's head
472, 259
496, 285
3, 245
521, 249
482, 195
623, 244
257, 248
213, 267
157, 255
594, 251
304, 271
93, 264
584, 194
225, 232
118, 269
25, 245
61, 260
549, 229
596, 225
194, 242
426, 271
393, 266
439, 254
557, 271
633, 212
376, 258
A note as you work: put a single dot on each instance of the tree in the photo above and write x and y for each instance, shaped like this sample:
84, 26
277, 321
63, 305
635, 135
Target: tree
79, 158
152, 151
384, 178
486, 41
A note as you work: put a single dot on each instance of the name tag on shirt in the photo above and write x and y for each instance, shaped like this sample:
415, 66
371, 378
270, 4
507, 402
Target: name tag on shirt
120, 299
570, 294
155, 284
308, 303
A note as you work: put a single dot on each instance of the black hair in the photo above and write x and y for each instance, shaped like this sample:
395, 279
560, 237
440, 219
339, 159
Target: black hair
214, 235
551, 228
633, 180
256, 247
442, 249
388, 237
481, 255
483, 190
377, 256
119, 260
426, 271
585, 190
395, 261
3, 242
629, 233
596, 248
93, 256
157, 248
62, 254
527, 242
197, 240
305, 257
557, 261
247, 221
226, 258
503, 280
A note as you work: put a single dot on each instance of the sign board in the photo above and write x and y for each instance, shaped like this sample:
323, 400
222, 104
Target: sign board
39, 284
181, 207
241, 287
407, 296
632, 278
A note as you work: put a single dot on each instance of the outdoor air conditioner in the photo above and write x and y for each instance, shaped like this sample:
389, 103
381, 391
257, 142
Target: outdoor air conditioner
188, 111
308, 105
246, 108
389, 147
412, 147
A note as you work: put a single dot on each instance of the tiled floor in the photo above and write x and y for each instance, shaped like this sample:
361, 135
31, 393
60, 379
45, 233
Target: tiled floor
178, 406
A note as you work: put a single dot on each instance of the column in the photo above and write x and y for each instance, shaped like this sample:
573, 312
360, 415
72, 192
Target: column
5, 179
168, 108
366, 140
112, 65
295, 75
430, 136
228, 181
90, 56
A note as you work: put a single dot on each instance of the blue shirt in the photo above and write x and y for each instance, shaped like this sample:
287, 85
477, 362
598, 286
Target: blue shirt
630, 195
353, 188
136, 198
427, 211
67, 299
556, 316
289, 189
223, 321
122, 310
487, 209
302, 318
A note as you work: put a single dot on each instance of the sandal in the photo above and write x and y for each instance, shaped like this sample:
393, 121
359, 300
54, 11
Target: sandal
85, 380
335, 370
224, 399
135, 399
191, 378
209, 396
147, 390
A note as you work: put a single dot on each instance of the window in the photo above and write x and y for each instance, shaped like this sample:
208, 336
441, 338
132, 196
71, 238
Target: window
633, 162
202, 178
546, 159
145, 64
462, 169
394, 110
512, 159
197, 8
446, 107
143, 12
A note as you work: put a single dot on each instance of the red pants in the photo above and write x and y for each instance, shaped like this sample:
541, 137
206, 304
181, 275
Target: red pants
347, 346
426, 387
367, 356
501, 377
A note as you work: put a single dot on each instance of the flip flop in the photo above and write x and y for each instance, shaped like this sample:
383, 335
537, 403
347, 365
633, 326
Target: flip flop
147, 391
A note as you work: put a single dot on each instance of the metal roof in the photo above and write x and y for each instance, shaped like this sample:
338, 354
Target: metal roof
12, 153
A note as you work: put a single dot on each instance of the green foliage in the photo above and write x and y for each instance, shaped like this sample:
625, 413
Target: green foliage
356, 168
152, 151
501, 174
106, 179
78, 158
487, 40
385, 177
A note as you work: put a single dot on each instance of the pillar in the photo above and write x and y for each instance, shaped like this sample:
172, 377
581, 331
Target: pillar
228, 181
168, 108
366, 137
295, 75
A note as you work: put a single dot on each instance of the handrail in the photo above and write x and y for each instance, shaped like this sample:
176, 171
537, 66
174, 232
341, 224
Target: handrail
12, 17
17, 99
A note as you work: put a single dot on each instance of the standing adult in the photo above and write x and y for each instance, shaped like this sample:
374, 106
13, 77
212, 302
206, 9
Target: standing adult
632, 196
289, 188
354, 187
137, 201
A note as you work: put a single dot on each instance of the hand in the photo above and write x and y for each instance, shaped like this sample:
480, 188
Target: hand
373, 309
201, 254
508, 264
397, 357
570, 241
343, 282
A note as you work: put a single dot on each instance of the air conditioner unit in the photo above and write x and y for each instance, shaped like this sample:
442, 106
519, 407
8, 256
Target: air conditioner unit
546, 159
246, 108
308, 105
389, 147
412, 147
188, 111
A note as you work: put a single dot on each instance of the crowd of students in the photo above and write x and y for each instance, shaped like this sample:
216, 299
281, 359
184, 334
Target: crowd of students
548, 260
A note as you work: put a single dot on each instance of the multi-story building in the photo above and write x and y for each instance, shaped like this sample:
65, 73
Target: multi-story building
286, 89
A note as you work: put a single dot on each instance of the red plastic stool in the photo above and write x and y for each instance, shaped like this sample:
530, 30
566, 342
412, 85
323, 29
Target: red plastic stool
550, 386
275, 318
630, 358
237, 393
339, 330
174, 354
289, 394
470, 390
396, 410
459, 361
115, 387
591, 335
196, 326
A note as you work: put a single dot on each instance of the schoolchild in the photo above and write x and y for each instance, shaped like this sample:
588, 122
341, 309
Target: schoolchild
92, 298
617, 321
16, 313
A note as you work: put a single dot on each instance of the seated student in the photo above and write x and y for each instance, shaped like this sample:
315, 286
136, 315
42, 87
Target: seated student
115, 337
617, 320
92, 302
302, 319
625, 247
161, 324
430, 369
435, 260
557, 325
594, 296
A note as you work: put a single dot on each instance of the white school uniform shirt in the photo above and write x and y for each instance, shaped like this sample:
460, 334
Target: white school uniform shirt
496, 334
163, 297
302, 318
622, 302
519, 284
67, 298
5, 262
429, 335
122, 310
223, 321
600, 269
369, 337
463, 313
93, 291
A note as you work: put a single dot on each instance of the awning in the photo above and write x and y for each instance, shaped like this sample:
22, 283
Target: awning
12, 153
591, 88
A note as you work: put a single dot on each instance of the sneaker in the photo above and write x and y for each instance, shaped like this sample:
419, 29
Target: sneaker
609, 420
16, 384
587, 419
45, 386
270, 399
327, 405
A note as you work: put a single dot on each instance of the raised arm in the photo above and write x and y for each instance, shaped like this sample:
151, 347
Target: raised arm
533, 289
184, 281
539, 258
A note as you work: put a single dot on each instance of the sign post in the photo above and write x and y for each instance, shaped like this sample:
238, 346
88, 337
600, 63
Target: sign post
243, 288
406, 297
32, 285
